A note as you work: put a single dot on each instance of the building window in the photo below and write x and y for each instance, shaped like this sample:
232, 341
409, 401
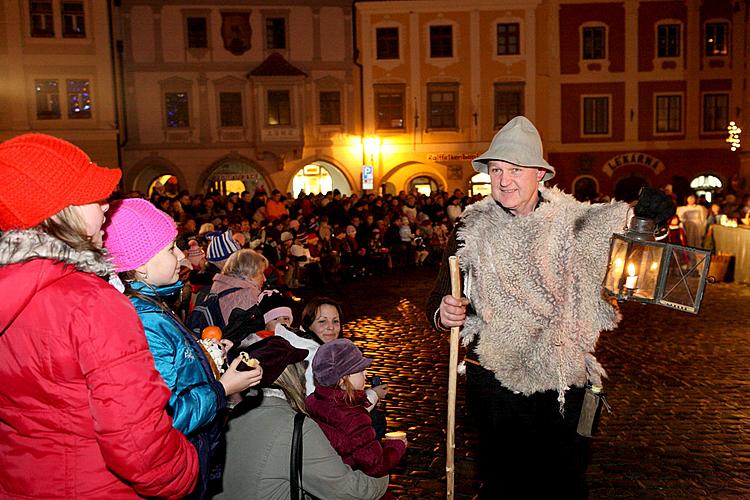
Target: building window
389, 107
178, 109
47, 99
275, 33
330, 108
442, 103
73, 20
79, 99
441, 41
279, 108
197, 32
230, 109
717, 39
387, 43
594, 42
715, 112
40, 12
668, 113
668, 40
508, 103
508, 42
595, 115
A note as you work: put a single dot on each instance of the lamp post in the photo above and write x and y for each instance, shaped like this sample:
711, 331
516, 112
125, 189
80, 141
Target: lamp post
642, 269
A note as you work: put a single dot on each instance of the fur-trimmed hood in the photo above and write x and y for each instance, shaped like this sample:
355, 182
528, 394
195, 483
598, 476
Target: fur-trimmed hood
535, 284
40, 256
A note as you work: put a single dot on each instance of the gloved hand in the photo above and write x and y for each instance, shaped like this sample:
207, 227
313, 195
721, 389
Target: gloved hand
654, 204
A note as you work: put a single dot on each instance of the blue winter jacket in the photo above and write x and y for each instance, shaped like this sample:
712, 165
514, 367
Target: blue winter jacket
197, 396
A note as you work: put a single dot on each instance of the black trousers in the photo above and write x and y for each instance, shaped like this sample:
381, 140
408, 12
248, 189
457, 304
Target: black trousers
527, 448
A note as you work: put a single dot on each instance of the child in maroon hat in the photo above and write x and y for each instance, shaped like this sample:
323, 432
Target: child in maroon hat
338, 405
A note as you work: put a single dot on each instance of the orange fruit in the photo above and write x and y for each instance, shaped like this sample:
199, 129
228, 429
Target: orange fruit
211, 332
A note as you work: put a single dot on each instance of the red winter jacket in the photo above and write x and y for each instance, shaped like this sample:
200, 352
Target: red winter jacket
82, 408
349, 429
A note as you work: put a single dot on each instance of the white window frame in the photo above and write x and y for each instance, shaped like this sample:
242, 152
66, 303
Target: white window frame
681, 28
590, 25
455, 35
583, 116
656, 131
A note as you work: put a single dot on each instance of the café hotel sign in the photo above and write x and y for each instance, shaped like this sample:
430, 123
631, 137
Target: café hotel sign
627, 159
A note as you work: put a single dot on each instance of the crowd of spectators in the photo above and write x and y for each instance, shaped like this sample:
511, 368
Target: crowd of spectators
318, 238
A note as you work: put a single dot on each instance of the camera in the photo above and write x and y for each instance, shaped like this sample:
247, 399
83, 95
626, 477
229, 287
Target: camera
375, 381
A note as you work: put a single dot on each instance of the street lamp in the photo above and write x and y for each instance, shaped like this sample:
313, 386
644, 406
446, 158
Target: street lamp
642, 269
372, 149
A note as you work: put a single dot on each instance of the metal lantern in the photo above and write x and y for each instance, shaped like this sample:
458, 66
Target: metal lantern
642, 269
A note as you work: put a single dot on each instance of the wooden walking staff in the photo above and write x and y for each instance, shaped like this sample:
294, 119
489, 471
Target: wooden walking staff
455, 274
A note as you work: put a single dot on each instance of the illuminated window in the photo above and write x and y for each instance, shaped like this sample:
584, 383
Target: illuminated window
423, 185
47, 99
177, 109
79, 99
73, 20
717, 39
279, 108
312, 179
480, 184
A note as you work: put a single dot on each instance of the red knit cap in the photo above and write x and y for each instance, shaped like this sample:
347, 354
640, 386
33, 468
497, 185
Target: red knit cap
42, 174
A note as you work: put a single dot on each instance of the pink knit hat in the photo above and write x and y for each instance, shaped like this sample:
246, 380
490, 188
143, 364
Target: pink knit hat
135, 232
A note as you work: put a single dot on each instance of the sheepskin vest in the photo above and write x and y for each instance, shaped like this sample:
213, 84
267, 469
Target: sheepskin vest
535, 284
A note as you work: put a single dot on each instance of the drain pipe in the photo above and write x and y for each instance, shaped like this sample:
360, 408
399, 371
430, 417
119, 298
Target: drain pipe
355, 57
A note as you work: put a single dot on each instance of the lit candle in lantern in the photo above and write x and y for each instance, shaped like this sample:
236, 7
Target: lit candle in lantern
632, 278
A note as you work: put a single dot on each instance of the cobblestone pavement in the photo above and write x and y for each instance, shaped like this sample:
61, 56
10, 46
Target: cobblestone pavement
679, 386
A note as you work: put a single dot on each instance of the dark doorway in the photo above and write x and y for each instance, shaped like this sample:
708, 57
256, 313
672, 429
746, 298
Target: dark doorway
584, 189
627, 188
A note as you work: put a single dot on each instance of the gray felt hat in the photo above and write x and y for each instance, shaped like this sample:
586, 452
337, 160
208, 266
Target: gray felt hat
518, 142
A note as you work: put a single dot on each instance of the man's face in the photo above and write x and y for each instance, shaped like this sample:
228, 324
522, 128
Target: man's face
514, 187
245, 226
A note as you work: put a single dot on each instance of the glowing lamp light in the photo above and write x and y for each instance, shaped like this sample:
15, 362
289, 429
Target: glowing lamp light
734, 136
642, 269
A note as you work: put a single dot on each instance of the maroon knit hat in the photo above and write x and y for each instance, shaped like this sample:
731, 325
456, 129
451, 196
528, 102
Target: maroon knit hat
335, 359
42, 174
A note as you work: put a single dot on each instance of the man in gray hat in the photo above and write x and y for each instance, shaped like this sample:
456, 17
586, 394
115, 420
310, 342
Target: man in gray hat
532, 260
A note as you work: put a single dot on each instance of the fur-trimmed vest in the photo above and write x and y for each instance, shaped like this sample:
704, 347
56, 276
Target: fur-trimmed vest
535, 284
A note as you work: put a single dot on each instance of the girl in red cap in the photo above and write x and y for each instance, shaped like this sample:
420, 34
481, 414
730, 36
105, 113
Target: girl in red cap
82, 408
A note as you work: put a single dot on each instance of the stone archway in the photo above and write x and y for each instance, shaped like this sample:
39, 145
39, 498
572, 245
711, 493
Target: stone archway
151, 169
585, 187
401, 175
627, 188
234, 173
319, 176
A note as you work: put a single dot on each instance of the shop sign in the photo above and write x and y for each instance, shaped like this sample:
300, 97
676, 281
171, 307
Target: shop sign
235, 177
451, 156
627, 159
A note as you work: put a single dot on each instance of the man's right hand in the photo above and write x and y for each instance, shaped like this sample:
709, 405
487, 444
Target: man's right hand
453, 311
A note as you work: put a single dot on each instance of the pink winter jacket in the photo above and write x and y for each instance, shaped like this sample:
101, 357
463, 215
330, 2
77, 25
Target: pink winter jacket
348, 428
244, 298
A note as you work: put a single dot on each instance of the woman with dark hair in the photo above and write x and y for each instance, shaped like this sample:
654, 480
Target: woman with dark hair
321, 319
82, 408
258, 440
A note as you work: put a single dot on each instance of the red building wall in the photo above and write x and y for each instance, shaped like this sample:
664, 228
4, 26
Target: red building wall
573, 16
571, 111
649, 13
646, 109
721, 85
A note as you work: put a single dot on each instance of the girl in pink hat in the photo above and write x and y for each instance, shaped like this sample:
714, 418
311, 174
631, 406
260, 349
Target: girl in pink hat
141, 241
